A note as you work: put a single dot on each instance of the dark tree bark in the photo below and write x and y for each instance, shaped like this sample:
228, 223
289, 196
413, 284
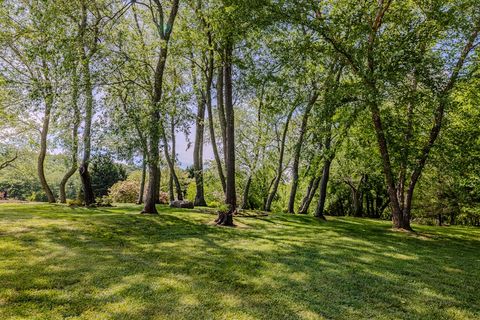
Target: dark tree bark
311, 190
319, 211
298, 150
142, 181
43, 144
226, 218
154, 114
279, 173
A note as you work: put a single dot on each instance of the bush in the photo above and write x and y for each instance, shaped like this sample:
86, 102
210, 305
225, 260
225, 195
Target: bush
104, 201
38, 197
125, 191
74, 203
164, 198
224, 208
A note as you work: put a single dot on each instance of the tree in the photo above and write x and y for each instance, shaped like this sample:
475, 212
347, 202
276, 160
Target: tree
377, 67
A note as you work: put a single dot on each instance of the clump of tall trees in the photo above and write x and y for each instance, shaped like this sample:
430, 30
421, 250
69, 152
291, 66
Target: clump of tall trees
337, 107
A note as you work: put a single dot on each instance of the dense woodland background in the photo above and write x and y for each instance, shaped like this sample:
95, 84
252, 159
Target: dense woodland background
345, 107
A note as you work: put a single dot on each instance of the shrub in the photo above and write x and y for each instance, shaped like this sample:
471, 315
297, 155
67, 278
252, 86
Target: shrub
223, 208
125, 191
104, 201
74, 202
164, 198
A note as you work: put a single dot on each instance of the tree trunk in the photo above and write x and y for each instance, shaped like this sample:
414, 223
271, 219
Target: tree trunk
142, 181
88, 193
221, 109
155, 124
213, 141
278, 177
198, 156
307, 199
319, 212
151, 199
226, 218
157, 184
199, 137
43, 147
76, 124
245, 203
171, 191
298, 149
171, 167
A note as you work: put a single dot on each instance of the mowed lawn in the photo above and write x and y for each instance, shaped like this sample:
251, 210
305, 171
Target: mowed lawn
113, 263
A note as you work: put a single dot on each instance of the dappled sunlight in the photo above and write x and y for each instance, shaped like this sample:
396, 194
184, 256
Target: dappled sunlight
124, 265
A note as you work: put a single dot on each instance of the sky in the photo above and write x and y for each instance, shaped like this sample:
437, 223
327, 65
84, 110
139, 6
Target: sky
185, 157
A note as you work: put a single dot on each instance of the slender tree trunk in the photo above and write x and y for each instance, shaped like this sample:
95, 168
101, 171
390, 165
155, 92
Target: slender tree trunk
246, 191
43, 148
171, 191
226, 218
319, 212
198, 157
278, 176
307, 199
76, 124
155, 123
298, 150
198, 144
171, 166
158, 184
88, 193
213, 140
221, 109
142, 181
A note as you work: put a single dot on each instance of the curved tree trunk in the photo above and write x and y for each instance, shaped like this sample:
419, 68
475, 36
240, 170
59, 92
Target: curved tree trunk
43, 148
307, 199
319, 212
298, 149
278, 177
76, 124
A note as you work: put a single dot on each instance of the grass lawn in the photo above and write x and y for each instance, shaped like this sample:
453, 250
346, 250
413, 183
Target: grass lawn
112, 263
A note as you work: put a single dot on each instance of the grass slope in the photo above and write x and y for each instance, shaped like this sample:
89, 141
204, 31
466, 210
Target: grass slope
57, 262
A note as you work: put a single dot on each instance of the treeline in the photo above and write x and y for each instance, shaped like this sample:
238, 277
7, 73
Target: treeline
338, 107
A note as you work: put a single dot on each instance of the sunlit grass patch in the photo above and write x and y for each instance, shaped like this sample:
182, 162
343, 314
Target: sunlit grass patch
113, 263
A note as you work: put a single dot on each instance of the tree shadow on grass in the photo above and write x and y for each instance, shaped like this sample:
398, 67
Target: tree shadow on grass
110, 264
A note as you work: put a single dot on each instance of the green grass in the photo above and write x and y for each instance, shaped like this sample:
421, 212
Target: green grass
112, 263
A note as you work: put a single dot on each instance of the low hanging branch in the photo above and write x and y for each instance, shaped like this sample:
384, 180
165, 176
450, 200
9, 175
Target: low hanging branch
8, 163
